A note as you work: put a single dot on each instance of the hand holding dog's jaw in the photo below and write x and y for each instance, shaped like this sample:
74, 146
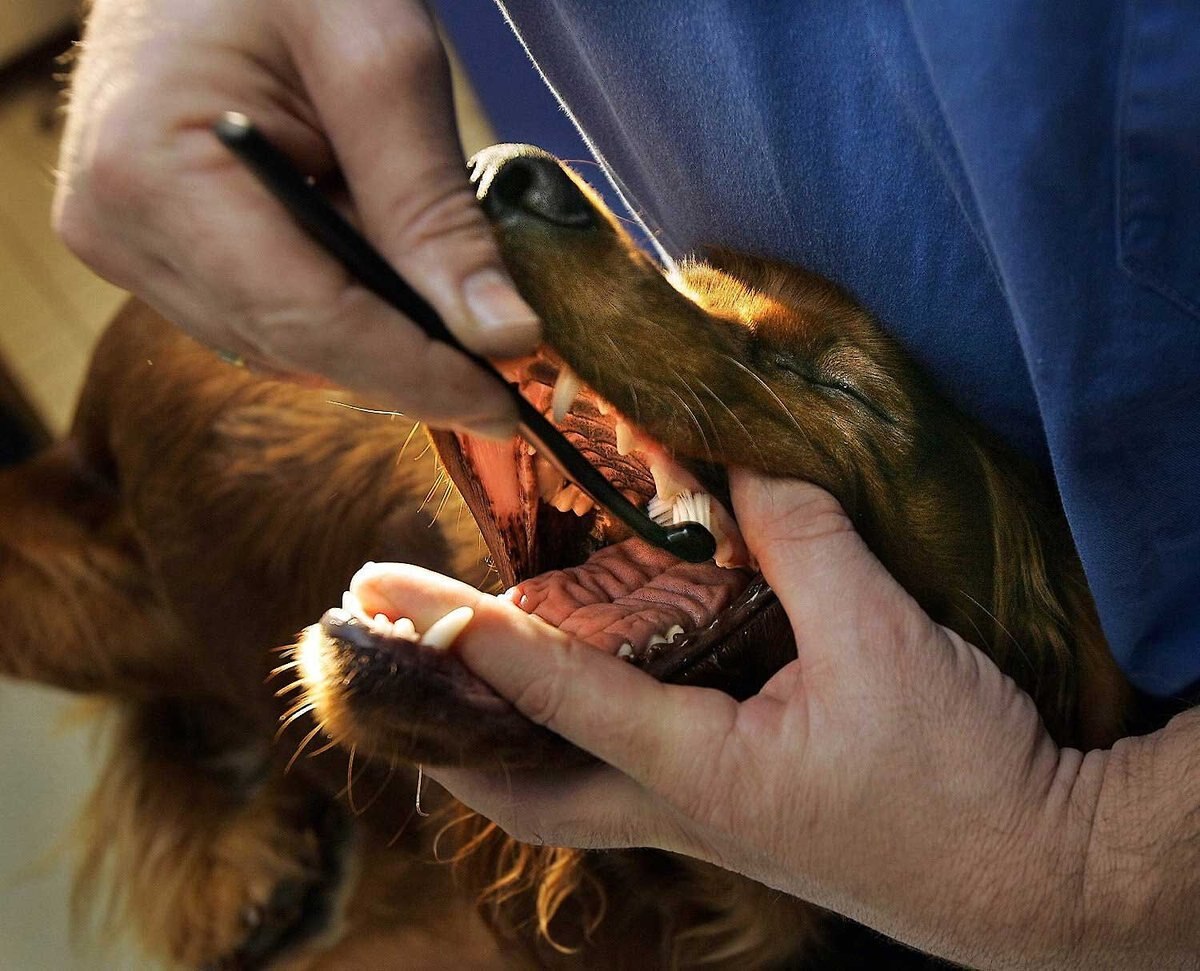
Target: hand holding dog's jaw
891, 772
149, 198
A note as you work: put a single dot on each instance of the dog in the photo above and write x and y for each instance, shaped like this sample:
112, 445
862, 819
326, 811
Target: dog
199, 515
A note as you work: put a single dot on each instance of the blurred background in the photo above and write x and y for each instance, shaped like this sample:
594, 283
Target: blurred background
52, 309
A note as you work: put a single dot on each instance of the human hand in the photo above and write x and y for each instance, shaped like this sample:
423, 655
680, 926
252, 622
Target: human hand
154, 203
890, 773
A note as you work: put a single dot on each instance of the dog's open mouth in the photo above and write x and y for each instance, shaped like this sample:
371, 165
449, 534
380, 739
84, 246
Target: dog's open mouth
714, 624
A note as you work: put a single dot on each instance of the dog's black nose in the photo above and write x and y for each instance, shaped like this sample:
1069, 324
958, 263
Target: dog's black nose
530, 184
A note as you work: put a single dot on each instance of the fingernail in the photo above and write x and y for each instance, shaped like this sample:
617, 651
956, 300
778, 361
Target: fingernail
507, 325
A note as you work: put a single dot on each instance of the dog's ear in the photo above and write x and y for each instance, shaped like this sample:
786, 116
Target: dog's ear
77, 608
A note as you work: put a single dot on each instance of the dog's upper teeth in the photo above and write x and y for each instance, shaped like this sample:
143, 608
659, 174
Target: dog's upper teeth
549, 479
657, 639
674, 632
625, 438
383, 623
566, 390
340, 614
625, 650
572, 499
446, 630
404, 627
665, 481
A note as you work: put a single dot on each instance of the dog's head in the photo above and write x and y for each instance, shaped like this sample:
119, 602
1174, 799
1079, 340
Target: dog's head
663, 380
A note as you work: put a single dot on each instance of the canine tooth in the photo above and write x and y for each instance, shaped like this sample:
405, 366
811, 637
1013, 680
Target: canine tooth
624, 438
549, 479
566, 498
351, 604
566, 390
340, 614
404, 627
625, 650
445, 631
665, 482
674, 632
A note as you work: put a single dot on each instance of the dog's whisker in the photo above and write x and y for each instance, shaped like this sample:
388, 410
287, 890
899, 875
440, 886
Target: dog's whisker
420, 783
290, 666
291, 717
696, 421
408, 439
751, 440
383, 785
437, 484
445, 498
302, 746
368, 411
287, 689
332, 743
349, 790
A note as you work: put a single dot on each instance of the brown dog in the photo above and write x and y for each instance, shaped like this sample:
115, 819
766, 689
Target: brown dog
199, 516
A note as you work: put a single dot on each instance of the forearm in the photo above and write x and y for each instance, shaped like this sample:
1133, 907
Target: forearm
1108, 872
1141, 889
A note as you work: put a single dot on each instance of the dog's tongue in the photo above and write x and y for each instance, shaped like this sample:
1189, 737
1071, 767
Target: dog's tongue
628, 593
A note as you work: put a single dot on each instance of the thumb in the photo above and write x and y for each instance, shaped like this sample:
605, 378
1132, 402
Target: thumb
844, 606
379, 79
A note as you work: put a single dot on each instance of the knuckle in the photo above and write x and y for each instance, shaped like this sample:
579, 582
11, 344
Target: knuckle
414, 222
400, 49
541, 700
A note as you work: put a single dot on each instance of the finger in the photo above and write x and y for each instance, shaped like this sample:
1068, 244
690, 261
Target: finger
843, 605
593, 808
380, 80
275, 290
668, 738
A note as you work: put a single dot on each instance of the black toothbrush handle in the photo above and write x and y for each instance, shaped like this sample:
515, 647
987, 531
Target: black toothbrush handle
688, 541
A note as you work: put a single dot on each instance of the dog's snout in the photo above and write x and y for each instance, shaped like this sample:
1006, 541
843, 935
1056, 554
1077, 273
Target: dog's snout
533, 186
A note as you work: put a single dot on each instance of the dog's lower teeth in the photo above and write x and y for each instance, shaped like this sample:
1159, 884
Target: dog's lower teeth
566, 390
625, 650
446, 630
673, 633
549, 479
352, 605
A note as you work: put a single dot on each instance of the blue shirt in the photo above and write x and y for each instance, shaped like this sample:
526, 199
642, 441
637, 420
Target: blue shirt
1012, 188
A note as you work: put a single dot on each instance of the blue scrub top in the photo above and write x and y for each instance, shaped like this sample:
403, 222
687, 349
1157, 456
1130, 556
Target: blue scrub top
1012, 188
